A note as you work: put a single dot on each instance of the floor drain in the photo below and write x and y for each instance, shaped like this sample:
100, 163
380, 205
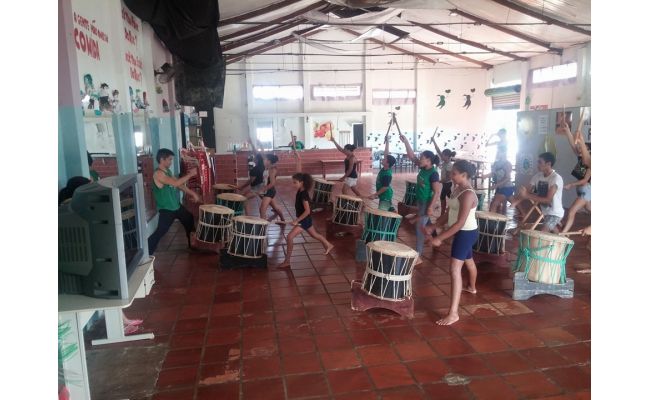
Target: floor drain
456, 380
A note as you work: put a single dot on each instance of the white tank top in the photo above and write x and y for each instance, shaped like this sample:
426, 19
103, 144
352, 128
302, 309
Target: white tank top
454, 207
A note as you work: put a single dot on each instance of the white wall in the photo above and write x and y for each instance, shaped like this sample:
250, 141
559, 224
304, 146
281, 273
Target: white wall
236, 119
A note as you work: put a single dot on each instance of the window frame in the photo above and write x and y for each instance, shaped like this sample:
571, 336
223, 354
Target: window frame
277, 89
331, 98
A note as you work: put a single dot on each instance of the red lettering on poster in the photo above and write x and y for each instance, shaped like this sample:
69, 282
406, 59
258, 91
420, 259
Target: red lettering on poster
84, 41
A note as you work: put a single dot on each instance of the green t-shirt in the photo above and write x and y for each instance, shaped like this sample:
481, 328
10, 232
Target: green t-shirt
94, 175
426, 177
384, 177
167, 197
299, 145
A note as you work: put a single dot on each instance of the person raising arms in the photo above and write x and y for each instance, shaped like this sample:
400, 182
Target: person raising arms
350, 177
382, 185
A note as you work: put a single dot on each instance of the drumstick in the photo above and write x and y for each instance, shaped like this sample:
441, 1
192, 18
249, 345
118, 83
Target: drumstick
570, 233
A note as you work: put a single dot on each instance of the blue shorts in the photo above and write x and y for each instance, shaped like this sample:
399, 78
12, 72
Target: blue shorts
461, 248
306, 223
584, 191
270, 193
506, 191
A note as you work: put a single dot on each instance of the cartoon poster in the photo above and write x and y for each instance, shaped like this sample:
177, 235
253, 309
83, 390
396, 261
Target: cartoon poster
323, 130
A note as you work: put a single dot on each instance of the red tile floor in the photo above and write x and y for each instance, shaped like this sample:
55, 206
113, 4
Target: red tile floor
290, 334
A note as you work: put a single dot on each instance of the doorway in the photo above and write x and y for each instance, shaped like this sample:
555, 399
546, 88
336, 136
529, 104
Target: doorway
357, 132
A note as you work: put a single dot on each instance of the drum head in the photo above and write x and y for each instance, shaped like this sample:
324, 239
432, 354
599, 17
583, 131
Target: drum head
222, 186
547, 236
247, 219
350, 198
215, 209
231, 197
323, 181
388, 214
393, 249
491, 216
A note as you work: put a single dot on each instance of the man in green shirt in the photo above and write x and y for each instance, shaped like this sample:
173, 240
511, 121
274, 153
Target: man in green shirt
165, 192
295, 143
382, 185
94, 176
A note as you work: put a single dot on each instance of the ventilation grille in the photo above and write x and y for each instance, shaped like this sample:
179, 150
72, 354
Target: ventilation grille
506, 102
73, 245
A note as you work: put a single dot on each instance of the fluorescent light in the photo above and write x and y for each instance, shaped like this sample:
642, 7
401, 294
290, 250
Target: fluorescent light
139, 139
453, 13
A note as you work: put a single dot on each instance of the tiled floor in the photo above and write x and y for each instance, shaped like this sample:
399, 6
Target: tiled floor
290, 334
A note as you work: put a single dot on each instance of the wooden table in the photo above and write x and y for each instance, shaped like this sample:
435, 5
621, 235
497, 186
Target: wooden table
325, 163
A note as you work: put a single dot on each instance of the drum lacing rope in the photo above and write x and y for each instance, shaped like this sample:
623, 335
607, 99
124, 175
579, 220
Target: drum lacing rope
390, 277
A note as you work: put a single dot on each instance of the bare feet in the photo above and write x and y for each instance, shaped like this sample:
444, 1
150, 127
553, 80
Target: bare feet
329, 248
584, 271
448, 320
285, 264
469, 290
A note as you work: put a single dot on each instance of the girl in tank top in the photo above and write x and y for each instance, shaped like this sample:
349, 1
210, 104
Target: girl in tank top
460, 218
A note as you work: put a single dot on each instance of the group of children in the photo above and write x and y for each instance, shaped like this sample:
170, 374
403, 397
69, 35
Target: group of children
443, 186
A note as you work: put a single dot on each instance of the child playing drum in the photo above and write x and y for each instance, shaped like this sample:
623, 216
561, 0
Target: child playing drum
460, 216
382, 185
501, 176
350, 177
427, 191
445, 172
302, 182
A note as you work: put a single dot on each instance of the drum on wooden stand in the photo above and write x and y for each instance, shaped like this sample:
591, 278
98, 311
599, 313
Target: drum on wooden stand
248, 237
542, 256
491, 233
388, 270
322, 191
347, 210
409, 195
215, 223
233, 201
380, 225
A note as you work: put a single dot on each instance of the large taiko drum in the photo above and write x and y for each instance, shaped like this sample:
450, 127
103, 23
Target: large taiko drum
491, 233
233, 201
389, 267
380, 225
409, 195
248, 237
215, 223
322, 191
542, 256
347, 210
220, 188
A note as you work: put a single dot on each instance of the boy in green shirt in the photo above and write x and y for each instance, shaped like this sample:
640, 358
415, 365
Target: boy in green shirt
382, 185
165, 192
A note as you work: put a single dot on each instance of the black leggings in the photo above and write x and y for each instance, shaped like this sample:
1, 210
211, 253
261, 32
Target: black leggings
165, 220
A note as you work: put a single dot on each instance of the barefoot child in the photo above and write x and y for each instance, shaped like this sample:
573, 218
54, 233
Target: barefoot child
269, 192
460, 216
427, 191
445, 173
350, 177
302, 182
382, 185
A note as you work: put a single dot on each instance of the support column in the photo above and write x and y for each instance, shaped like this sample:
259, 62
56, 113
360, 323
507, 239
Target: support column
127, 162
73, 160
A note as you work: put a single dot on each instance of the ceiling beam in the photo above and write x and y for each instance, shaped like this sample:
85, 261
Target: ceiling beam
403, 34
256, 13
509, 31
390, 46
232, 58
283, 18
524, 10
261, 35
467, 42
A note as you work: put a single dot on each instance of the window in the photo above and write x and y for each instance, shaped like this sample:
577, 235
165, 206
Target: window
285, 92
393, 96
336, 92
264, 134
555, 73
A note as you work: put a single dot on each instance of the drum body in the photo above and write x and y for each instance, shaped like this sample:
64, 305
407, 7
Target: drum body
130, 229
491, 233
409, 195
380, 225
347, 210
322, 191
220, 188
389, 267
233, 201
542, 256
215, 223
248, 237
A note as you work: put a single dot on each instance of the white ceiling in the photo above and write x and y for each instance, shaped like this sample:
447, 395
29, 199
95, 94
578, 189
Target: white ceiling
569, 11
